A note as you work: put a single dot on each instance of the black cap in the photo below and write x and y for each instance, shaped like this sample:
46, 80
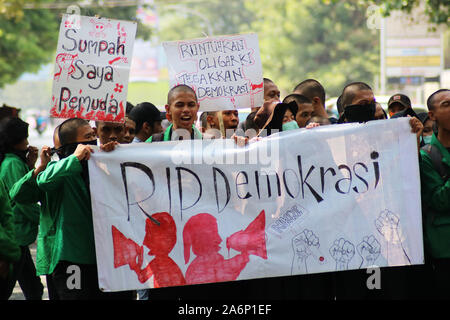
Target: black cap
144, 112
399, 98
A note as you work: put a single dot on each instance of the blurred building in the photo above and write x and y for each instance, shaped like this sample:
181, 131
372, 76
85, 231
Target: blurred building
413, 55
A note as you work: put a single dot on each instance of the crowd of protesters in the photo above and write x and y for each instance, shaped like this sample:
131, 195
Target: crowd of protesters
45, 194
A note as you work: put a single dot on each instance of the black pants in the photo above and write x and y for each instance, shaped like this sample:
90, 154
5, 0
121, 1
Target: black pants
6, 286
441, 278
52, 293
68, 287
25, 274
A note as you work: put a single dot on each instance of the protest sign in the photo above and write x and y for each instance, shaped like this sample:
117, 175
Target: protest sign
332, 198
92, 64
224, 71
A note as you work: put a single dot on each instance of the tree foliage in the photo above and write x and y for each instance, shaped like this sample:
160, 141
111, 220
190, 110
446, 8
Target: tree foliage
26, 41
329, 42
194, 20
298, 39
438, 11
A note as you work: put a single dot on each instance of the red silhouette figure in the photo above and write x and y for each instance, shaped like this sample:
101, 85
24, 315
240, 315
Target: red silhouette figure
201, 233
160, 239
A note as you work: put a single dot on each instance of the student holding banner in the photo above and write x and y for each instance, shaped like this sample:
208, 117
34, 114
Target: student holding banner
109, 131
66, 248
181, 110
434, 171
314, 90
358, 103
182, 107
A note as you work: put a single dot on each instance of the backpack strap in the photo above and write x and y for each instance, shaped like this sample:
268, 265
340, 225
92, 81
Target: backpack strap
436, 160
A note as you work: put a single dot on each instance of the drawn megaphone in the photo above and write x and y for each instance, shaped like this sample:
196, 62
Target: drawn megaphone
252, 240
126, 250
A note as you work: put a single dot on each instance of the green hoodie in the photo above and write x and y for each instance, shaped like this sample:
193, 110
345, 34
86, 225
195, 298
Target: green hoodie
435, 203
66, 230
26, 216
9, 249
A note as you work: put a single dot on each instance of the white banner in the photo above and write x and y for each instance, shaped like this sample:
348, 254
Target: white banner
327, 199
92, 66
224, 71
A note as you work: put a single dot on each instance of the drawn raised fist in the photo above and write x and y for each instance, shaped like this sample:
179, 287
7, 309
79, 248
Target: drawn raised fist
369, 249
387, 225
304, 242
342, 252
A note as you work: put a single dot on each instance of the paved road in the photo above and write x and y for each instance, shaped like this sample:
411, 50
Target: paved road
17, 293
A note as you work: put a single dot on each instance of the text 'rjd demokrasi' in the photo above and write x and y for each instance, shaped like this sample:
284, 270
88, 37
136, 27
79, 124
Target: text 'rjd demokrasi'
301, 182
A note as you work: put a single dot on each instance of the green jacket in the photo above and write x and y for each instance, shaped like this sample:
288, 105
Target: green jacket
26, 216
66, 229
168, 134
435, 203
9, 249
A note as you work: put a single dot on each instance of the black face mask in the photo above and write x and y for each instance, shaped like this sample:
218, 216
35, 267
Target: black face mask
68, 149
360, 112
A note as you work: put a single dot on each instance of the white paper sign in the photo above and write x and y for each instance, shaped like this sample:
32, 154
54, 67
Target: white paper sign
92, 66
303, 201
224, 71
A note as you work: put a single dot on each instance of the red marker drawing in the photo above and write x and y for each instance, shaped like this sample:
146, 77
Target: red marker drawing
257, 86
114, 60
